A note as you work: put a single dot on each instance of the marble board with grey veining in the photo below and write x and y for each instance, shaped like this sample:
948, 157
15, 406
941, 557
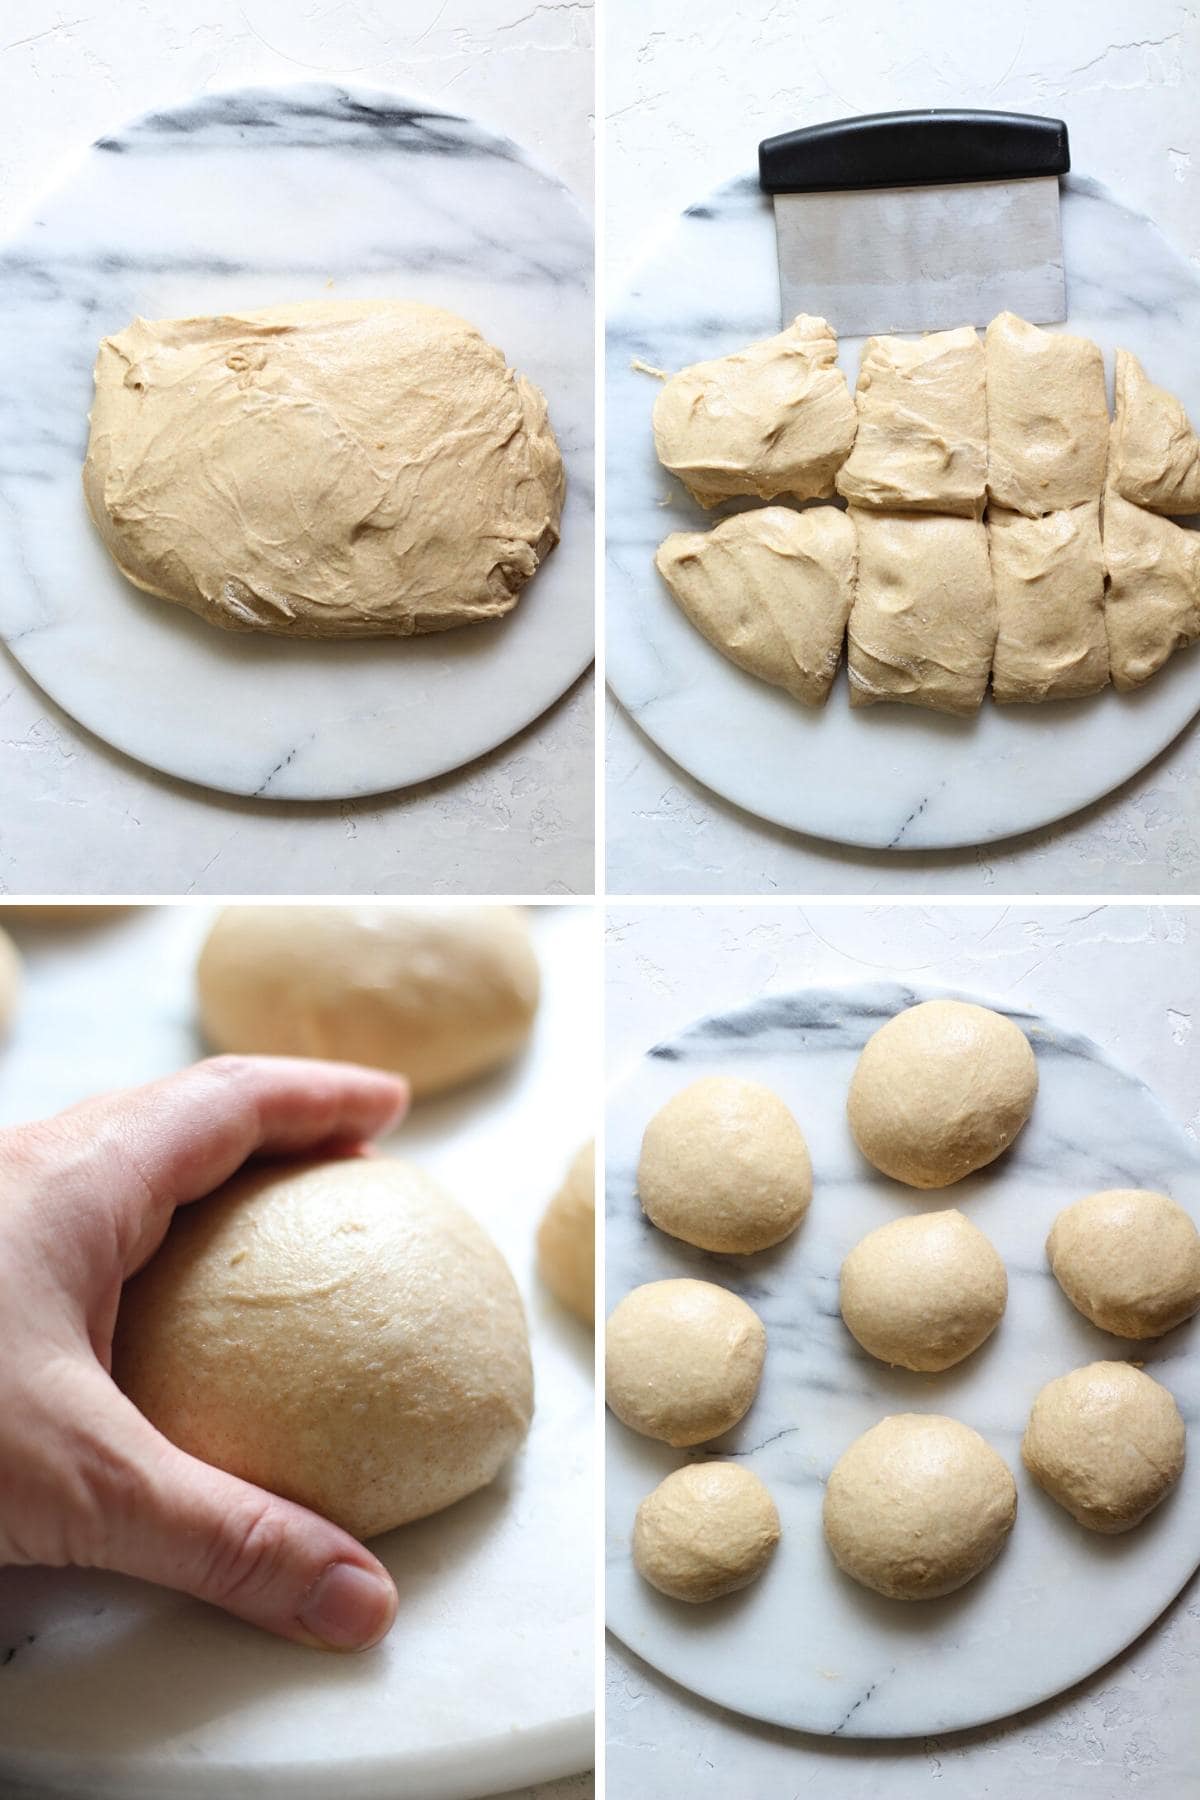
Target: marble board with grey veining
890, 776
805, 1646
248, 198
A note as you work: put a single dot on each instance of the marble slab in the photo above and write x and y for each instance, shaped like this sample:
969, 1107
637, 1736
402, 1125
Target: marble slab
885, 777
242, 199
111, 1690
805, 1646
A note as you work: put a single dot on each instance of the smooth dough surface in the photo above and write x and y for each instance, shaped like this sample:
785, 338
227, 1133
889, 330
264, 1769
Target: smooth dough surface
10, 981
917, 1506
923, 626
1047, 417
340, 1333
1106, 1442
335, 468
707, 1530
724, 1165
921, 444
1129, 1259
1152, 607
566, 1241
771, 589
941, 1090
683, 1360
1048, 574
774, 418
437, 994
923, 1292
1154, 455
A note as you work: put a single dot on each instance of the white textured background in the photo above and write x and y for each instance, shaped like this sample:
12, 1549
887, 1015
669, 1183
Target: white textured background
80, 818
1129, 977
691, 87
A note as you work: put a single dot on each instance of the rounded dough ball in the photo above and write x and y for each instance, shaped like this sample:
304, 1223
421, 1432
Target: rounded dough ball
724, 1165
10, 981
923, 1292
683, 1360
338, 1332
918, 1506
940, 1090
1129, 1259
705, 1531
436, 994
566, 1239
1106, 1442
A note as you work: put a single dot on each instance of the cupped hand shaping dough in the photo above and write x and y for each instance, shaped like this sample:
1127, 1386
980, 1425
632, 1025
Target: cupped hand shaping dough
774, 418
1106, 1442
10, 981
1129, 1259
770, 589
917, 1506
724, 1165
923, 1292
340, 1333
707, 1530
1047, 417
1154, 455
1152, 607
566, 1240
437, 994
923, 625
683, 1360
1049, 580
921, 444
335, 468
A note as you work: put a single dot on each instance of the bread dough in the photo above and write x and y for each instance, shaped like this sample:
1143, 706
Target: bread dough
1106, 1442
1129, 1259
338, 1332
941, 1090
918, 1506
774, 418
923, 625
921, 444
1049, 579
923, 1292
1047, 417
337, 468
707, 1530
724, 1165
1154, 455
683, 1360
82, 914
771, 590
439, 994
10, 981
566, 1241
1152, 607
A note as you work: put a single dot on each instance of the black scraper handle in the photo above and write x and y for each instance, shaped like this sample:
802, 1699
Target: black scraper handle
912, 149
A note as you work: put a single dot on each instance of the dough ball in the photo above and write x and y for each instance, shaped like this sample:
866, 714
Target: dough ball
918, 1506
724, 1165
10, 981
1129, 1260
705, 1531
683, 1360
923, 1292
338, 1332
437, 994
566, 1239
336, 468
1106, 1442
940, 1090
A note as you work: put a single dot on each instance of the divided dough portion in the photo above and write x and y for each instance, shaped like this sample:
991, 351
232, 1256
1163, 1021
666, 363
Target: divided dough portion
1152, 607
707, 1530
1106, 1442
1049, 579
566, 1239
922, 426
1129, 1259
1047, 417
1154, 455
683, 1360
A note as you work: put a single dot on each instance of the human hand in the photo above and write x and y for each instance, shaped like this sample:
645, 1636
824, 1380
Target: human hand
85, 1200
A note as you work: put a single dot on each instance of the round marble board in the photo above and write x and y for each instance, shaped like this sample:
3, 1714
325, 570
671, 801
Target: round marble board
805, 1646
890, 776
112, 1690
248, 198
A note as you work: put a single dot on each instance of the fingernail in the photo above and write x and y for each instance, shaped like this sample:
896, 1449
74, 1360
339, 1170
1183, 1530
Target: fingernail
348, 1608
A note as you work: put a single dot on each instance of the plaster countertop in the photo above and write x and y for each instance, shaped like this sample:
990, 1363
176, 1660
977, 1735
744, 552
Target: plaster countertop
690, 89
80, 818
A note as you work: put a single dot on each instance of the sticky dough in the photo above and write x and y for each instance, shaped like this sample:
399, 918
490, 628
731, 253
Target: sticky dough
1048, 575
922, 426
1154, 455
1047, 418
1152, 606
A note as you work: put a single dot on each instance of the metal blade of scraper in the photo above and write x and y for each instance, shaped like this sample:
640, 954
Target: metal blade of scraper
919, 221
